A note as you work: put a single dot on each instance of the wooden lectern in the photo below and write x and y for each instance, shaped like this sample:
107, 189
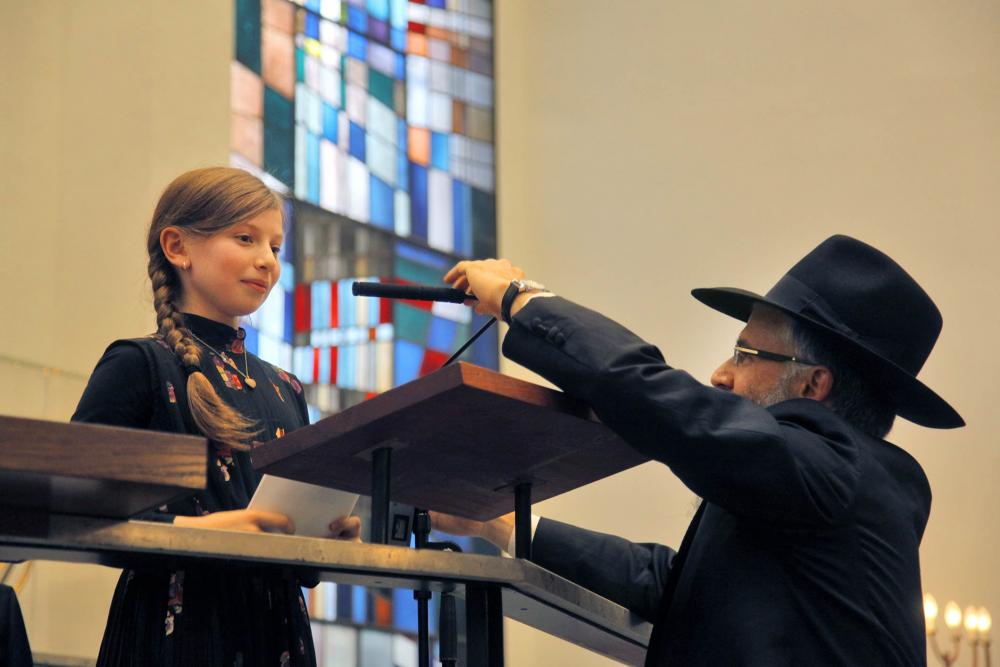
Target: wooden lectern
105, 471
462, 440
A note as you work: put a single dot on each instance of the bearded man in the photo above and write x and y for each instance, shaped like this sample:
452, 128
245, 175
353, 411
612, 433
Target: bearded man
804, 550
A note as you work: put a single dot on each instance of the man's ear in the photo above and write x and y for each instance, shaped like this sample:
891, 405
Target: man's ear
818, 384
172, 241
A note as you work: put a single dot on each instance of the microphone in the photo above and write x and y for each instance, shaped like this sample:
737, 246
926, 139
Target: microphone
422, 293
411, 292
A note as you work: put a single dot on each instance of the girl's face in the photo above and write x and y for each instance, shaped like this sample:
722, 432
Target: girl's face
232, 271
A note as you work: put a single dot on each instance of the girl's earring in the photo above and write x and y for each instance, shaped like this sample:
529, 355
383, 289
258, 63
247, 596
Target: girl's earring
185, 265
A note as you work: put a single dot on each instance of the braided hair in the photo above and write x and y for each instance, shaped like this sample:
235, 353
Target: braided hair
202, 201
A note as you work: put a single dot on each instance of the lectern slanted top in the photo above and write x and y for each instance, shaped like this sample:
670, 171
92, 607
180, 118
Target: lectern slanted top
461, 438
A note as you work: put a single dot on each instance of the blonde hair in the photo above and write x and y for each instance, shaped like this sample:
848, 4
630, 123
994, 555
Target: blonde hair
202, 201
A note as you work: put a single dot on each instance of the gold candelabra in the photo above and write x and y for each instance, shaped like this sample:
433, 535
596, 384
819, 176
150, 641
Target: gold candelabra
977, 622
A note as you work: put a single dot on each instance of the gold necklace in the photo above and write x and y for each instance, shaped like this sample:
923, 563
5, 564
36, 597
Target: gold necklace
250, 382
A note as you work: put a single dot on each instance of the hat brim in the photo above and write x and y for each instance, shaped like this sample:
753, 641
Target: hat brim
914, 401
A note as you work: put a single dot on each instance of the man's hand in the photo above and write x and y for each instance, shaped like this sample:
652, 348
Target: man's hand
497, 531
487, 279
251, 521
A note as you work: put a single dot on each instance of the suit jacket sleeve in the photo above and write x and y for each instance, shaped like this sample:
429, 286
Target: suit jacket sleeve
793, 462
631, 574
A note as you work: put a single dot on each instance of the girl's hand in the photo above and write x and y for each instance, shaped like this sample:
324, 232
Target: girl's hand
346, 528
251, 521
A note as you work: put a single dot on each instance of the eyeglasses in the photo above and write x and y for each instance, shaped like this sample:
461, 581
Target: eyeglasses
741, 353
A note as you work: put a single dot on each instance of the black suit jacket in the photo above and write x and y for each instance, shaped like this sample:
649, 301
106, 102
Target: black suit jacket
805, 550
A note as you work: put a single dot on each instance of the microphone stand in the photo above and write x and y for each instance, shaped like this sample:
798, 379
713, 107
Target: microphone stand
448, 625
448, 619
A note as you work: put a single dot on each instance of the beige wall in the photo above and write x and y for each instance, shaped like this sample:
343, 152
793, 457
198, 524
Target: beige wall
645, 147
102, 102
648, 147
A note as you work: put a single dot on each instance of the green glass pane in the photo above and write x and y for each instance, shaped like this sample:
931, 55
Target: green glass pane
248, 33
300, 65
411, 323
418, 273
381, 87
279, 136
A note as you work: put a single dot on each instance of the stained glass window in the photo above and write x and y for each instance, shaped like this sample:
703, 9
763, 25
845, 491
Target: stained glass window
375, 118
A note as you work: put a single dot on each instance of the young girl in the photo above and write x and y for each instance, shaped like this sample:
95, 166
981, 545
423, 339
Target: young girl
213, 246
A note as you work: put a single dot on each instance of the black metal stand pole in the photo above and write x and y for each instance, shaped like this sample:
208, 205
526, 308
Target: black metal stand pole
448, 632
381, 459
423, 629
484, 626
522, 520
421, 531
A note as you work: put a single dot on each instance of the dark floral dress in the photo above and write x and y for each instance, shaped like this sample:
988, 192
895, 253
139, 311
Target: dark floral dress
209, 614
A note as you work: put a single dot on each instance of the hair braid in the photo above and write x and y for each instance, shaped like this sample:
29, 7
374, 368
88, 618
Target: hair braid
215, 418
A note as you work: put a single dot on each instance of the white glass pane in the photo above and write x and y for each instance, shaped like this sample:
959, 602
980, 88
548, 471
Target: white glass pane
357, 104
376, 648
381, 159
329, 85
381, 121
301, 171
382, 59
440, 227
401, 209
417, 105
332, 177
452, 311
440, 113
357, 73
358, 186
340, 647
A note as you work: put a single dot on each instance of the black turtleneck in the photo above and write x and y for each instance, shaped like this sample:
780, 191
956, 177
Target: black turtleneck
119, 392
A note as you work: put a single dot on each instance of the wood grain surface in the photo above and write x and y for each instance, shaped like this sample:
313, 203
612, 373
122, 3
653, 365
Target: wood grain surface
461, 437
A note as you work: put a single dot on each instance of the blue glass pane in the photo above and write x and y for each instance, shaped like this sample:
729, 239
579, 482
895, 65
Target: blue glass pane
347, 357
404, 609
440, 4
484, 350
324, 366
312, 25
359, 611
406, 362
346, 304
460, 209
357, 141
423, 256
357, 19
289, 329
312, 162
321, 299
381, 204
344, 599
397, 40
418, 201
379, 9
400, 63
442, 335
402, 171
330, 122
357, 46
440, 151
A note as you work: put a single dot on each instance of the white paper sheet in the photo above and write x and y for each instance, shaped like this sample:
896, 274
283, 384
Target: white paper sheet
310, 507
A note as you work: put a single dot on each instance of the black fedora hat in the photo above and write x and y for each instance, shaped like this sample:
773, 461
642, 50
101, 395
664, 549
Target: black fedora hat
871, 306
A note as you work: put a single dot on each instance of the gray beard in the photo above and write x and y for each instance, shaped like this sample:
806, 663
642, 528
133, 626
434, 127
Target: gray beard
778, 394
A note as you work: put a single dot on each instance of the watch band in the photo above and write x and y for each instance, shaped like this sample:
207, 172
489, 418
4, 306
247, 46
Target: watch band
517, 287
